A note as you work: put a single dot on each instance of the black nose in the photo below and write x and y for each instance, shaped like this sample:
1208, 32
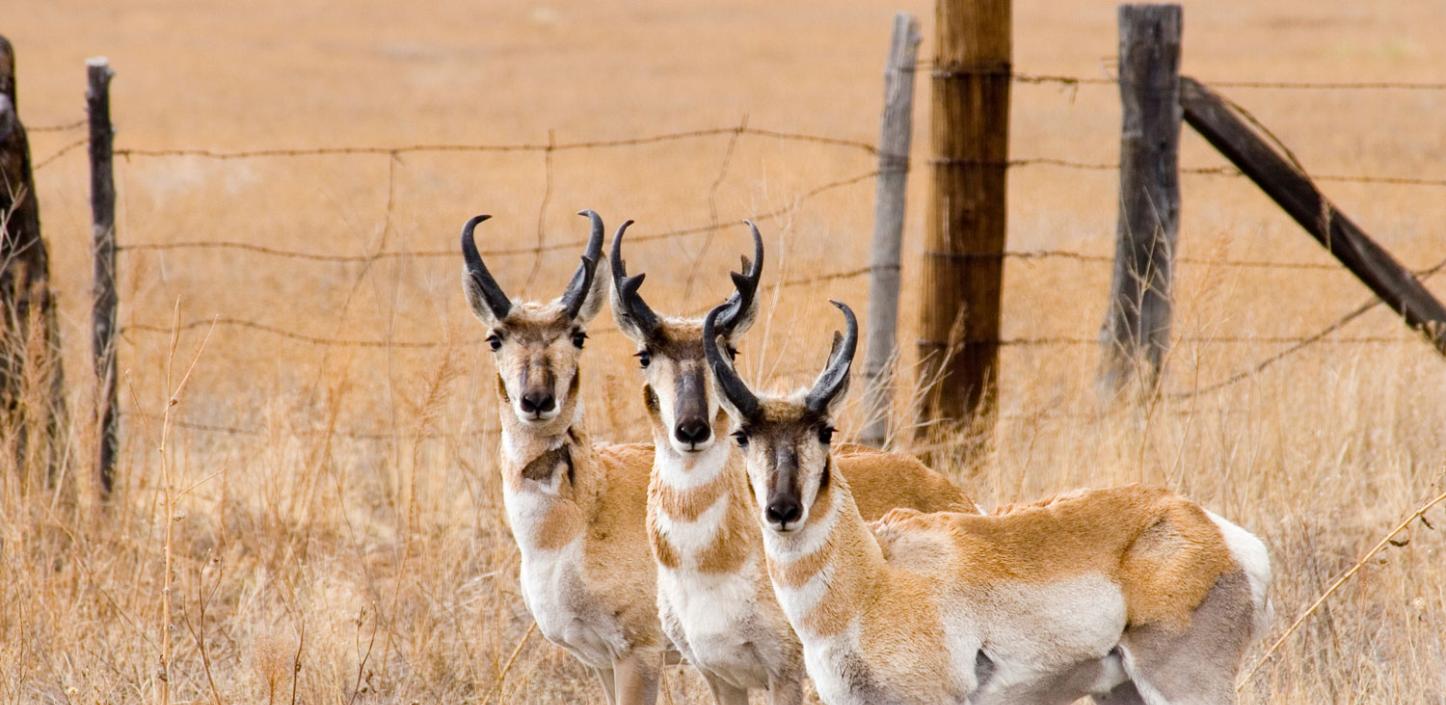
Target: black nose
783, 510
538, 402
692, 431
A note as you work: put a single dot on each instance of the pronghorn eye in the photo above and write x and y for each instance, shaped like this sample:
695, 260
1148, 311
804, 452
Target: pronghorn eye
578, 339
495, 341
741, 436
645, 357
825, 434
732, 352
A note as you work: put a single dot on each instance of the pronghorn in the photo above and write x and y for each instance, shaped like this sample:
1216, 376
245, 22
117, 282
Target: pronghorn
576, 510
1129, 595
714, 598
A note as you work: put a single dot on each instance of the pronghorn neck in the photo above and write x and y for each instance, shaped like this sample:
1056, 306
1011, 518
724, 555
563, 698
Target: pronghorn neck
684, 471
700, 510
549, 477
522, 443
827, 571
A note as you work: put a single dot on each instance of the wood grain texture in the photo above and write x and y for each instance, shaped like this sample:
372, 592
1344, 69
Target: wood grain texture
963, 259
895, 136
1136, 332
30, 357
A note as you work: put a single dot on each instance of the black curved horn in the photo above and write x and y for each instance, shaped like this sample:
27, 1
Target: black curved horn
577, 289
732, 385
492, 294
627, 287
835, 375
745, 284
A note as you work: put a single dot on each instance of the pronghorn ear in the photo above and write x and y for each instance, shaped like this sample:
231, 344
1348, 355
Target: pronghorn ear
838, 367
627, 321
742, 307
747, 313
584, 295
485, 297
477, 301
597, 293
724, 403
831, 387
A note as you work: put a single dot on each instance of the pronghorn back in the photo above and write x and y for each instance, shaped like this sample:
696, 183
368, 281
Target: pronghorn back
1164, 551
882, 481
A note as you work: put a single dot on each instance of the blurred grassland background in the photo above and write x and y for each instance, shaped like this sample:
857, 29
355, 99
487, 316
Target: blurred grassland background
383, 564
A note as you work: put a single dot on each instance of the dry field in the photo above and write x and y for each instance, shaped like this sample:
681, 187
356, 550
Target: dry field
336, 529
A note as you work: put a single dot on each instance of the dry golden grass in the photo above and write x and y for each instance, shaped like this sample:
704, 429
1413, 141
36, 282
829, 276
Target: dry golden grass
312, 566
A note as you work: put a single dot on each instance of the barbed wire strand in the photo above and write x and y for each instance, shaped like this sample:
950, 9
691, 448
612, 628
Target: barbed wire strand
501, 252
1069, 80
60, 127
237, 430
1313, 339
1035, 254
57, 154
1251, 85
221, 154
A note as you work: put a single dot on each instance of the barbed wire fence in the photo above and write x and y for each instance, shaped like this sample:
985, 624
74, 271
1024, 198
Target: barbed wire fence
733, 135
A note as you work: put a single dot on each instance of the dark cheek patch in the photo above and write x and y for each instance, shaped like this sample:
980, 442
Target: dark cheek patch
572, 386
650, 403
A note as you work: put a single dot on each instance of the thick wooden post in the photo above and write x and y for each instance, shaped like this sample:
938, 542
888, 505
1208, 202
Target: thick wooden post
964, 256
31, 380
103, 301
1136, 333
895, 136
1294, 192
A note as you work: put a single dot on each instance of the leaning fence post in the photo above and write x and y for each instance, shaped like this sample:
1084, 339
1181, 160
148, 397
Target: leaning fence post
895, 134
103, 302
1136, 332
1287, 183
963, 272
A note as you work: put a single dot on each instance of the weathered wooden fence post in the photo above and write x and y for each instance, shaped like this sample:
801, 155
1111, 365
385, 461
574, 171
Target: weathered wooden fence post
895, 135
1136, 332
964, 256
103, 302
31, 380
1281, 178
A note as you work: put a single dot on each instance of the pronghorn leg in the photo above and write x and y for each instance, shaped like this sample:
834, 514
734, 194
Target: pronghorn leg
637, 678
785, 691
725, 693
1196, 666
609, 686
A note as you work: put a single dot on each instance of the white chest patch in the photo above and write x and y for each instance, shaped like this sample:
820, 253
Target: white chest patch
690, 538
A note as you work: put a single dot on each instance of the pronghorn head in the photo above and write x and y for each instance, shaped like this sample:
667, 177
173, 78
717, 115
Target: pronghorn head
786, 439
678, 388
537, 345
